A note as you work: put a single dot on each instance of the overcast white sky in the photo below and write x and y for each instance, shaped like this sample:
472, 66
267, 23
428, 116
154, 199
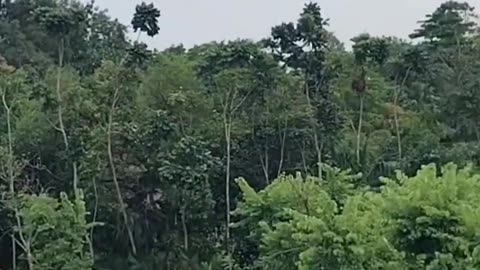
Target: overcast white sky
198, 21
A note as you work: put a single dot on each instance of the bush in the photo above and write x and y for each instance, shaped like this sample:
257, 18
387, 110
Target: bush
430, 221
55, 231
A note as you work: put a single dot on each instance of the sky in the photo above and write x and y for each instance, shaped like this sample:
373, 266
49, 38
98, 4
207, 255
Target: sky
193, 22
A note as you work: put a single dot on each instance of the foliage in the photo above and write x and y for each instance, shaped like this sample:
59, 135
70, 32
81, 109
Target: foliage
267, 214
169, 130
145, 19
302, 47
432, 218
448, 25
56, 230
424, 222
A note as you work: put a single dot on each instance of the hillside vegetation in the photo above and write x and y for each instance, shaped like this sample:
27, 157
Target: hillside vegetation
287, 153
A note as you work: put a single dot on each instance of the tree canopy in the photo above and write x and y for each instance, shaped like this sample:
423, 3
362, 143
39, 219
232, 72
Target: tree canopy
291, 152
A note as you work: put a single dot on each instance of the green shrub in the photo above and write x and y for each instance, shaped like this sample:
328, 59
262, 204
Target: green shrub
429, 221
55, 231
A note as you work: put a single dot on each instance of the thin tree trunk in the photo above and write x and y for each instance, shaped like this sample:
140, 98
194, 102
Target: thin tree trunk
227, 126
11, 180
94, 219
395, 114
14, 252
318, 149
75, 179
359, 130
185, 229
61, 52
229, 109
265, 150
397, 128
304, 160
110, 155
228, 132
264, 161
114, 171
283, 137
262, 157
30, 261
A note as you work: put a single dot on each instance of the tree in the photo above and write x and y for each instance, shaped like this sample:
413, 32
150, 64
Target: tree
449, 25
237, 74
302, 47
60, 22
27, 42
367, 51
234, 88
145, 19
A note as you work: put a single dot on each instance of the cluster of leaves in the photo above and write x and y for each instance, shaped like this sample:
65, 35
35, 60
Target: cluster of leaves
54, 231
429, 221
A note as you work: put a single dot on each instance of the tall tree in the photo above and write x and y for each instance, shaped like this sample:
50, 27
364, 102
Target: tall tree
145, 19
302, 47
62, 21
448, 25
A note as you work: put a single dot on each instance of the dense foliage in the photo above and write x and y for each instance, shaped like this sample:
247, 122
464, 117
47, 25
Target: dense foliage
424, 222
117, 156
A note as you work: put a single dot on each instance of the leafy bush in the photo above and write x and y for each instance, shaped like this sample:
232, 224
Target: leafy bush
55, 231
429, 221
433, 218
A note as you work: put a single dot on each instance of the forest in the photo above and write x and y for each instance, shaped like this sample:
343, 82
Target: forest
290, 152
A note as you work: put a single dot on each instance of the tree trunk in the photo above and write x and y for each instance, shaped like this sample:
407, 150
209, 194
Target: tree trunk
11, 180
319, 150
304, 159
114, 173
265, 150
264, 161
283, 137
30, 261
110, 155
227, 125
14, 252
94, 219
185, 229
62, 129
359, 130
397, 127
395, 114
